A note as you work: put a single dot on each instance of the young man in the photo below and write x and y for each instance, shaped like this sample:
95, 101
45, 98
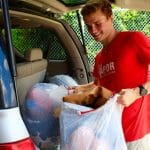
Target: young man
122, 67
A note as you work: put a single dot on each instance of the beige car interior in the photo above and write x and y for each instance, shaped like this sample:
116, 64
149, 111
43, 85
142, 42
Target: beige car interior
30, 72
34, 69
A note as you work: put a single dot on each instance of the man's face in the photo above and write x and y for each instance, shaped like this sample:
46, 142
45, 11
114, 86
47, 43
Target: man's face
98, 25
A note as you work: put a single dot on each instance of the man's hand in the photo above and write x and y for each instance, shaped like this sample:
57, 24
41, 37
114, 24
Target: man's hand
128, 96
82, 88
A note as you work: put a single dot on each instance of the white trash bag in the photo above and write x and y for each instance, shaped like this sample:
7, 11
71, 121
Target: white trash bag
82, 128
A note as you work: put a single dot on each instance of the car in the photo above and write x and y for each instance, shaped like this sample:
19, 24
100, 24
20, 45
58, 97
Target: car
61, 48
36, 46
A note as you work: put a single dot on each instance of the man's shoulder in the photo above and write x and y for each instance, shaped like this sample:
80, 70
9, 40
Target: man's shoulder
132, 33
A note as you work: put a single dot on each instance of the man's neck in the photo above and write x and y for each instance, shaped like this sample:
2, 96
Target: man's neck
110, 38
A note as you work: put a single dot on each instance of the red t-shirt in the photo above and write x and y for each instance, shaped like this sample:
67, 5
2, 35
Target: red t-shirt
124, 64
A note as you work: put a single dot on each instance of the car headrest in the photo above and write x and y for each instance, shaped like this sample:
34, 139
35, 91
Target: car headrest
34, 54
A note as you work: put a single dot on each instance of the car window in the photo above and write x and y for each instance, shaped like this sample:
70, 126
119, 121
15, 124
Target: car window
25, 39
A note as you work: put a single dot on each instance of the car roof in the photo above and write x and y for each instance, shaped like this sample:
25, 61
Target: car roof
52, 6
61, 6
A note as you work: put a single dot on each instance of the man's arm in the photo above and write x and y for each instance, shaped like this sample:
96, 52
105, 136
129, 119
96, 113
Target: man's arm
128, 96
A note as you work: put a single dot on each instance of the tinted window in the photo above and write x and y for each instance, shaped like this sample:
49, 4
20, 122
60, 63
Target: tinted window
25, 39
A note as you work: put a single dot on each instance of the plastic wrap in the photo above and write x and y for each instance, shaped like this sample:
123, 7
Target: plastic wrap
82, 128
38, 114
63, 80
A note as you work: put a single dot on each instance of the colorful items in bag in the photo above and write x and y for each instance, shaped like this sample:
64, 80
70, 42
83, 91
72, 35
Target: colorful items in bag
40, 108
38, 114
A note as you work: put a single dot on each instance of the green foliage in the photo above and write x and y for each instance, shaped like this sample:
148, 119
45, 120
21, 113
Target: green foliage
147, 29
73, 2
72, 19
25, 39
126, 19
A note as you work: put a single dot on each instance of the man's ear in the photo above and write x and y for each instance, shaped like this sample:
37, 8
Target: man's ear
111, 18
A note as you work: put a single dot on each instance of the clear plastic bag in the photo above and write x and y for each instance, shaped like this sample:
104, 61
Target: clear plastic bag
38, 111
82, 128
